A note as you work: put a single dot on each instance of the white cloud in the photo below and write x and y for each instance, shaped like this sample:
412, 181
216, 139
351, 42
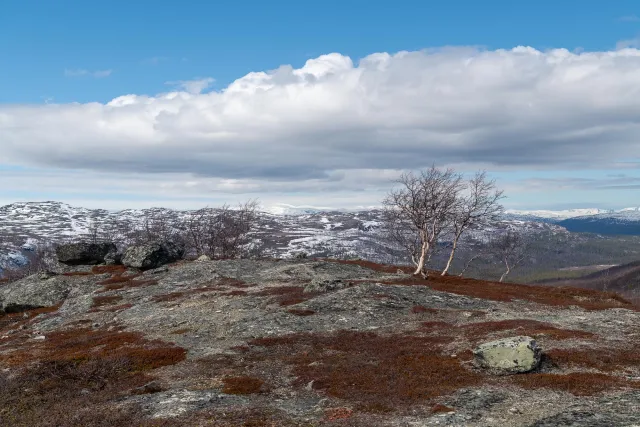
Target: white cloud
334, 125
98, 74
195, 86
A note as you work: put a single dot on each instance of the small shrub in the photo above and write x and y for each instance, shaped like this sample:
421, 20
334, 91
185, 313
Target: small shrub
109, 269
334, 414
102, 301
78, 273
242, 385
497, 291
300, 312
577, 383
287, 295
418, 309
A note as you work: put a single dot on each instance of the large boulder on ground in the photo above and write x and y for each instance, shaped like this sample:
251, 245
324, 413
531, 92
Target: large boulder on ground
509, 355
152, 255
113, 258
38, 290
84, 253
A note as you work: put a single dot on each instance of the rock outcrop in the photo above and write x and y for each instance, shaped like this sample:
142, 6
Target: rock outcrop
152, 255
509, 355
36, 291
241, 342
84, 253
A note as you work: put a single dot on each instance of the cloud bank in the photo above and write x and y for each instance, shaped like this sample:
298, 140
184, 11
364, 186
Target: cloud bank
335, 122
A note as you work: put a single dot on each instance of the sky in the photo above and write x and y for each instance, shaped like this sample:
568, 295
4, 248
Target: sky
187, 104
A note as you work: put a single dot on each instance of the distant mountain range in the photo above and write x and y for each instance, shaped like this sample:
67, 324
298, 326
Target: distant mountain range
283, 231
599, 221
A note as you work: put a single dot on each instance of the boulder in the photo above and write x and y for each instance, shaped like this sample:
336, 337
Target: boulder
84, 253
34, 292
113, 258
203, 258
152, 255
509, 355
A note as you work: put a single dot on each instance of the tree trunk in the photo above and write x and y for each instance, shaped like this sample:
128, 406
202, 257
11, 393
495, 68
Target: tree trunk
504, 274
453, 251
467, 265
423, 257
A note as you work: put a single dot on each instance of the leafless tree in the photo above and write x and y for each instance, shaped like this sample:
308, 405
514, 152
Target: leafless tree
223, 232
467, 264
478, 208
511, 249
417, 213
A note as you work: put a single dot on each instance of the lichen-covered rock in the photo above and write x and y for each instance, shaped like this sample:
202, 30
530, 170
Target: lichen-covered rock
34, 292
84, 253
152, 255
509, 355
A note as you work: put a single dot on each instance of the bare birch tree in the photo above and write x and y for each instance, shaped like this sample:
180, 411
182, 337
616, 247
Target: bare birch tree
511, 249
221, 232
417, 213
478, 208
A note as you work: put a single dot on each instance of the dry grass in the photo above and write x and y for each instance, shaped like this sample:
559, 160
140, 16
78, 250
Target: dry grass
80, 344
109, 269
577, 383
287, 295
528, 327
335, 414
72, 377
301, 312
376, 373
119, 280
381, 268
495, 291
242, 385
78, 273
602, 359
103, 301
15, 320
418, 309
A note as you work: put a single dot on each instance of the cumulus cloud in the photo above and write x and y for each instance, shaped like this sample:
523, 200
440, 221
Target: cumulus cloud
334, 121
79, 72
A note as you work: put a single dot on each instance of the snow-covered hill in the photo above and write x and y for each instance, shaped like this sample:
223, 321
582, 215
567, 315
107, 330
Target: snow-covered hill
557, 215
282, 234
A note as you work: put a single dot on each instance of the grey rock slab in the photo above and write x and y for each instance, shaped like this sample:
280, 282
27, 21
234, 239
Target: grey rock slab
33, 292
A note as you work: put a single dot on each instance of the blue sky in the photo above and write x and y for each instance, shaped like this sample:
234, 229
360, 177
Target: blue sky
147, 43
67, 52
